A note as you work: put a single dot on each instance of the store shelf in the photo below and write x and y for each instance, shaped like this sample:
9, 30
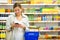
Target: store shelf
37, 21
3, 21
42, 13
37, 7
6, 4
31, 4
3, 18
40, 4
49, 30
41, 31
29, 13
49, 35
6, 13
2, 30
42, 21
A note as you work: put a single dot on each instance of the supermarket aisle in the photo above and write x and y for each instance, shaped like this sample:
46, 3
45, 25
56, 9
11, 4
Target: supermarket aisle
44, 16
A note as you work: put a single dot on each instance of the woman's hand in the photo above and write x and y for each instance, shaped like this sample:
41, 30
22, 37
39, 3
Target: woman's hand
12, 26
18, 25
22, 26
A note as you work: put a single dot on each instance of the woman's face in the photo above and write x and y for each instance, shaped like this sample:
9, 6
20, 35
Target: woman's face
17, 10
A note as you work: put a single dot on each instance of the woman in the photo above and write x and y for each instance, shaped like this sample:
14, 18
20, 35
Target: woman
17, 23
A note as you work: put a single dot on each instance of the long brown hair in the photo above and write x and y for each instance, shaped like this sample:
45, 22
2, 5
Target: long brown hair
18, 5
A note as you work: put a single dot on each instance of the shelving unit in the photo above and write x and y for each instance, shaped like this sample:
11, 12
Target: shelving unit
32, 4
40, 23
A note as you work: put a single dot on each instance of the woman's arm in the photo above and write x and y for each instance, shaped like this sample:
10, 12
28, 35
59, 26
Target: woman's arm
25, 24
9, 26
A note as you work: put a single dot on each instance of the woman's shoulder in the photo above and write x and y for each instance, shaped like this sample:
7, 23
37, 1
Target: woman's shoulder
10, 16
25, 16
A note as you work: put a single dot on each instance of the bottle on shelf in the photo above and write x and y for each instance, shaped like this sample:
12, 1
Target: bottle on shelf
41, 10
39, 18
2, 10
46, 28
46, 35
0, 26
44, 18
51, 28
2, 35
8, 10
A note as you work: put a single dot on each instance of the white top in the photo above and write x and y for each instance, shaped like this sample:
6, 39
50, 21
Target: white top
17, 33
11, 19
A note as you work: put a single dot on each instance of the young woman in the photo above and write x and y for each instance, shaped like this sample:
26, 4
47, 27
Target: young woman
17, 23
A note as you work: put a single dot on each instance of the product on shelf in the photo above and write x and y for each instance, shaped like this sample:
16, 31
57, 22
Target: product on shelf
56, 18
4, 26
30, 10
46, 28
45, 2
2, 35
49, 18
7, 10
38, 18
41, 10
59, 24
2, 10
46, 35
31, 17
21, 1
10, 1
49, 10
54, 2
0, 26
58, 2
59, 33
41, 28
55, 27
33, 28
37, 10
51, 28
54, 37
44, 18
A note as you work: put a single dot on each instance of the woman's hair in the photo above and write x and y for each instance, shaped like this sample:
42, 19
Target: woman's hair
17, 5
